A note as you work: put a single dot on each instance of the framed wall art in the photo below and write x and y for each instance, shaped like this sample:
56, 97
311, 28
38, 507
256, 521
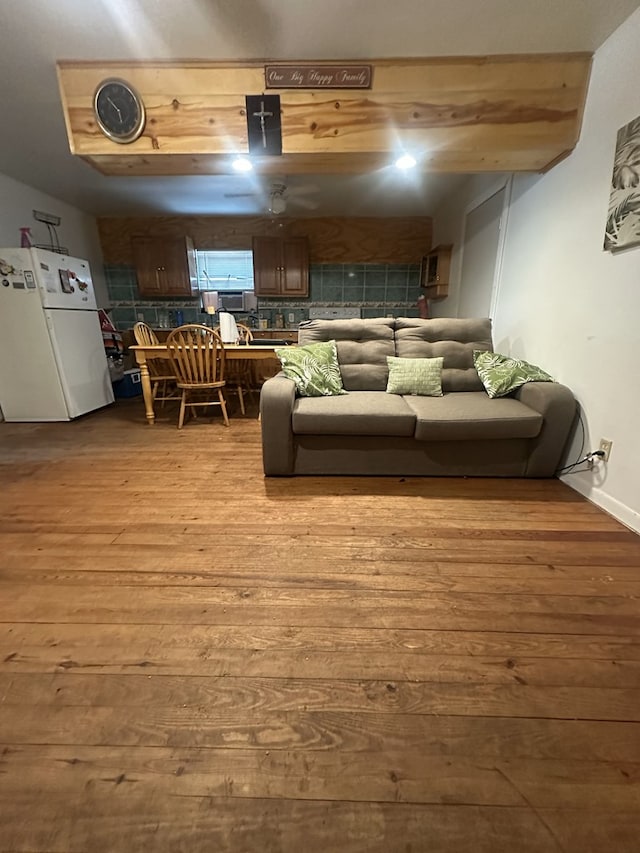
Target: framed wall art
623, 219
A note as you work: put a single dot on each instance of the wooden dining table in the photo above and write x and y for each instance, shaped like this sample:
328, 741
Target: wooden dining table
145, 353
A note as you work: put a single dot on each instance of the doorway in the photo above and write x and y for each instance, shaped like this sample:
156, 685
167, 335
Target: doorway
481, 248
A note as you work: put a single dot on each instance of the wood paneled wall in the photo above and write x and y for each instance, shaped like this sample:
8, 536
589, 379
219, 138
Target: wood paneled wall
331, 239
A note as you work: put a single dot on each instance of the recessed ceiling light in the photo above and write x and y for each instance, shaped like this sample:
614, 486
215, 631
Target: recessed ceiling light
406, 162
242, 164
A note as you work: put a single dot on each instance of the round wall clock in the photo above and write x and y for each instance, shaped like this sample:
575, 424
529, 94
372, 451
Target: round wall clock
119, 110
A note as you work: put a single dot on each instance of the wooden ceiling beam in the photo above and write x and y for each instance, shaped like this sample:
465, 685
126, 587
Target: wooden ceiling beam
467, 114
443, 162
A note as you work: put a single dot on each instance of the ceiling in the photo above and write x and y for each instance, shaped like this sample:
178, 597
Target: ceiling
37, 33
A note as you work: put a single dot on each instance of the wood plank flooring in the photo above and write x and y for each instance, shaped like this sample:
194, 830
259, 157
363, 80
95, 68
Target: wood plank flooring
194, 658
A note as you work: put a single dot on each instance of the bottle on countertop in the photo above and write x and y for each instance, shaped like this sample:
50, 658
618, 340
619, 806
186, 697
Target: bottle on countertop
279, 321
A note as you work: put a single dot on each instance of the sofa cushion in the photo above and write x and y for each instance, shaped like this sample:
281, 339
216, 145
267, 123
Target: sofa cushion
358, 413
500, 374
363, 347
421, 376
472, 415
314, 368
453, 339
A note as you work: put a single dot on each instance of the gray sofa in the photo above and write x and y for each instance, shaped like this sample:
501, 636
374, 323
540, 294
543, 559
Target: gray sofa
367, 431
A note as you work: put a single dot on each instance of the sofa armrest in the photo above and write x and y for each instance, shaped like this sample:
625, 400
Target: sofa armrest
558, 407
276, 409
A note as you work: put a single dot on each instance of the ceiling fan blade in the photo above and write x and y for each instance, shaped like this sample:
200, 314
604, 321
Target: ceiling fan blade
307, 203
304, 189
240, 195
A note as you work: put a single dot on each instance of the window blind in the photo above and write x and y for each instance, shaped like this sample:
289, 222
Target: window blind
225, 269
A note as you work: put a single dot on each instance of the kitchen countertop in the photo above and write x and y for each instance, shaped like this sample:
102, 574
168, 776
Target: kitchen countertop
272, 330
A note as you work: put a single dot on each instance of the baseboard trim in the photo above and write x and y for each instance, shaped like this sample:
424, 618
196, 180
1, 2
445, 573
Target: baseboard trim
629, 517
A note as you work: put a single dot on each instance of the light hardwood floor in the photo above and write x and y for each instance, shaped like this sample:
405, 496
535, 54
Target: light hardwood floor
194, 658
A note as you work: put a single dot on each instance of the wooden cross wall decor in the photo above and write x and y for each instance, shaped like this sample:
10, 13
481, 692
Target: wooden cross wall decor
263, 124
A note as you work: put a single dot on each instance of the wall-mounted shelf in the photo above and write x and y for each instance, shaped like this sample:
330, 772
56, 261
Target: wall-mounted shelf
435, 270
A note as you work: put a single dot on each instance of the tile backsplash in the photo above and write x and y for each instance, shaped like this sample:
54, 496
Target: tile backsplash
379, 290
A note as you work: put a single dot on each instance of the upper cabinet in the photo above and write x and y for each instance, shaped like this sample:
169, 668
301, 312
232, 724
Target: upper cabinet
281, 266
436, 268
165, 266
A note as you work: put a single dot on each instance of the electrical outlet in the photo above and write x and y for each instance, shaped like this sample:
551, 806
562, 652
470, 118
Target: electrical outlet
605, 446
291, 317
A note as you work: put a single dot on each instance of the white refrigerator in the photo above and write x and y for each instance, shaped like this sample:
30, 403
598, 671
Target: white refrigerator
53, 365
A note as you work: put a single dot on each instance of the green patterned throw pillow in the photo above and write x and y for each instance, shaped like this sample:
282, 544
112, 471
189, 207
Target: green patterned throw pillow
419, 376
314, 368
500, 374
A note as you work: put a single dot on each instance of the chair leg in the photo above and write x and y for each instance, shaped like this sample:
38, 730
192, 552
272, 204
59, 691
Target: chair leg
223, 406
182, 408
241, 398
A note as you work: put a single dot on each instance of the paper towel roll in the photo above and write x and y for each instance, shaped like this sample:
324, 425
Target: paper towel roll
228, 328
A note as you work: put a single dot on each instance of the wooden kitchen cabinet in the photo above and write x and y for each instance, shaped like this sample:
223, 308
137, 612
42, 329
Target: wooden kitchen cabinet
165, 266
277, 334
436, 268
281, 266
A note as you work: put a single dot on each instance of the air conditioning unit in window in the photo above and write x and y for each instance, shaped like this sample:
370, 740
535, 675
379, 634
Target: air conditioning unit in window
230, 301
244, 301
249, 301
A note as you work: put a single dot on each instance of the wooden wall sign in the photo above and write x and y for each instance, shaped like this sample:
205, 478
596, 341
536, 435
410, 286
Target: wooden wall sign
317, 76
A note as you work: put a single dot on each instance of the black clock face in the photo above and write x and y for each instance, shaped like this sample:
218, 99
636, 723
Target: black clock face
119, 111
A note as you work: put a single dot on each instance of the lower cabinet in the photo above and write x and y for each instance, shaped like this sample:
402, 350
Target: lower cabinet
277, 334
265, 368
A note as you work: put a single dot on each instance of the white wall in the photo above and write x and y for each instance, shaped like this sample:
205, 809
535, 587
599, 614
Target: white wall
77, 232
567, 305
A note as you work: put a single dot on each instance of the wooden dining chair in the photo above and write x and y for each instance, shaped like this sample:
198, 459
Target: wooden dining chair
238, 373
161, 374
197, 353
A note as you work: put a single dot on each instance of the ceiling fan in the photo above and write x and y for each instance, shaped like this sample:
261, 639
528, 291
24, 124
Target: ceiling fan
278, 196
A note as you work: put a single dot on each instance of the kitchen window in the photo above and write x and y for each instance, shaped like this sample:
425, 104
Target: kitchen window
225, 270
